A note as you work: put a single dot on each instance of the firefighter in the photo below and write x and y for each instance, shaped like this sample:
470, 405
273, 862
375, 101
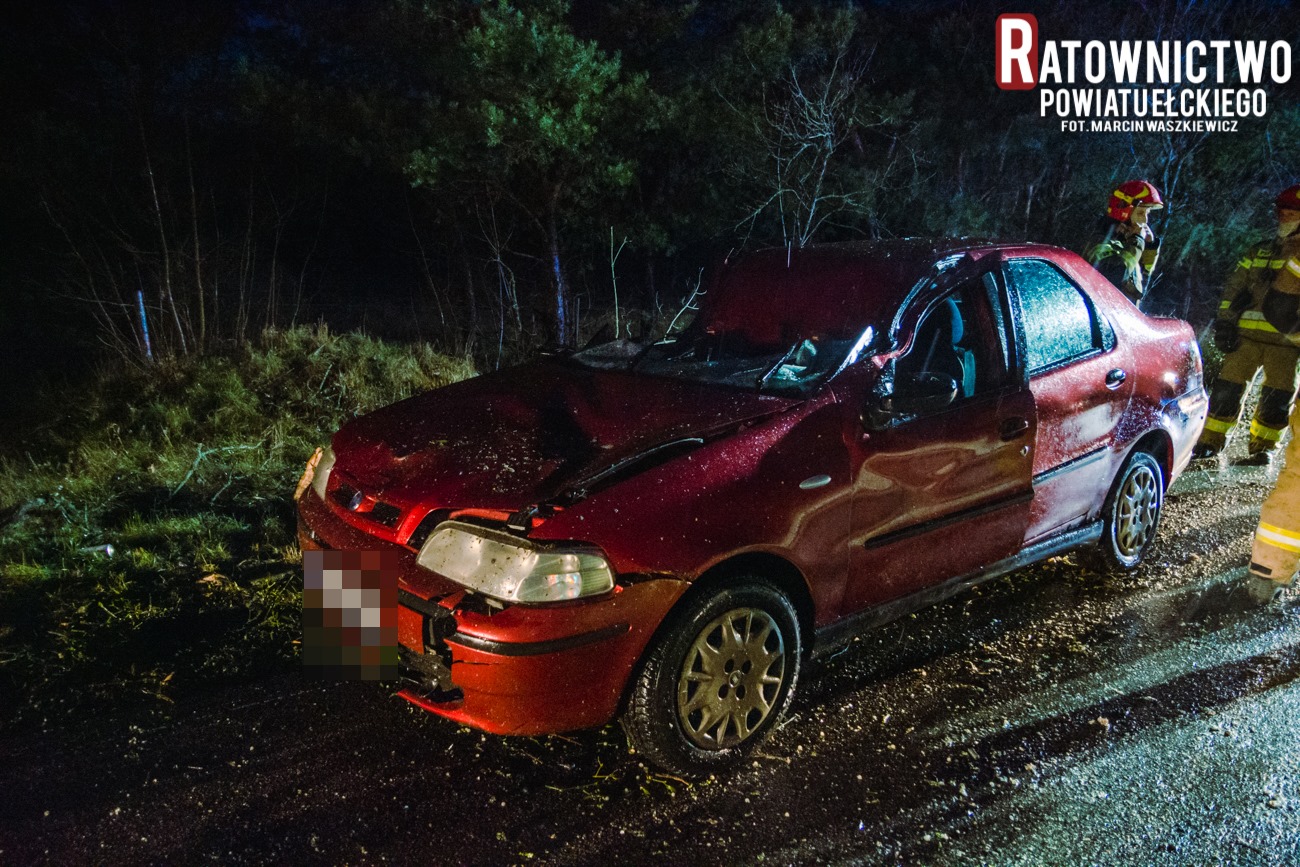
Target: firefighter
1249, 342
1127, 253
1275, 554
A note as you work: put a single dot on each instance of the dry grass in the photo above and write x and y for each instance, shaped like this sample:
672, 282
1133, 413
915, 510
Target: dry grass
186, 469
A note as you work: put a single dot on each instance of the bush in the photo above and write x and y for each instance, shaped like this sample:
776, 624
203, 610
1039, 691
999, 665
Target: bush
186, 469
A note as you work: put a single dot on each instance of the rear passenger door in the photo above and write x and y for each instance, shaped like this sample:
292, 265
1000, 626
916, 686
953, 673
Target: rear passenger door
1081, 381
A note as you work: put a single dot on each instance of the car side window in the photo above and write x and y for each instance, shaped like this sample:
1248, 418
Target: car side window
1060, 321
962, 336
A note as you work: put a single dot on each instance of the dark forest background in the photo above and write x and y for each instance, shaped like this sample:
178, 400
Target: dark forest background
496, 177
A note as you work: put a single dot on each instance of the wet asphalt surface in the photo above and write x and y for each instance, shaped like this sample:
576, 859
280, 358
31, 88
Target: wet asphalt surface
1050, 717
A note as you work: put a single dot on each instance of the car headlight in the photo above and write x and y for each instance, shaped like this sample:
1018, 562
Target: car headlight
511, 568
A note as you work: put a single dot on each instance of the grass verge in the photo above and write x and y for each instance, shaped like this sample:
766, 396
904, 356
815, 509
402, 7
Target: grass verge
186, 469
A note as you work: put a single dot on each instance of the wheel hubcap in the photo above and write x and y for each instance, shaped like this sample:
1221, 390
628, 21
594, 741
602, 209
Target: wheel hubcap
731, 678
1136, 509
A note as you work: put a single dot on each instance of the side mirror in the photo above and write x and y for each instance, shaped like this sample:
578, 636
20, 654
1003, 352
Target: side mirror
909, 395
878, 411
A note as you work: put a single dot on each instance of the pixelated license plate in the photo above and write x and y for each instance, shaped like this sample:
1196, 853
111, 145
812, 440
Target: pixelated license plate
349, 615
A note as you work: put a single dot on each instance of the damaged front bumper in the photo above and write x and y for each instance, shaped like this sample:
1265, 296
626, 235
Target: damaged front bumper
521, 669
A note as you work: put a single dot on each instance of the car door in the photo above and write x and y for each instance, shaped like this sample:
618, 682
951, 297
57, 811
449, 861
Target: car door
945, 491
1081, 382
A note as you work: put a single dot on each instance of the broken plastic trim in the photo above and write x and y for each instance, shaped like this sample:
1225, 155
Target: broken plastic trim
522, 521
427, 676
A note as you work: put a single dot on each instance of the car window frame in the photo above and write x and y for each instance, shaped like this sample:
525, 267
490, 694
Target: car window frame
1017, 375
945, 285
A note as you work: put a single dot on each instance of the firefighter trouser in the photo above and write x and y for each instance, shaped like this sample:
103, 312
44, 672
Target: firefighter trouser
1239, 366
1276, 552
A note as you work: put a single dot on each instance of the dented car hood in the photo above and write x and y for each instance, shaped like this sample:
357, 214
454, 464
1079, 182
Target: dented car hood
545, 431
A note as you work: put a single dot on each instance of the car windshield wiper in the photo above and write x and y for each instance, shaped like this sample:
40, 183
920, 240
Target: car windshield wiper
762, 380
645, 350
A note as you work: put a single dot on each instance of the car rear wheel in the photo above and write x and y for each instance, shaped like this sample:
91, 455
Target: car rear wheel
1131, 516
716, 680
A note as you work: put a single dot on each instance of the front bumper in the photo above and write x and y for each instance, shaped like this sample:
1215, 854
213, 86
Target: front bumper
522, 670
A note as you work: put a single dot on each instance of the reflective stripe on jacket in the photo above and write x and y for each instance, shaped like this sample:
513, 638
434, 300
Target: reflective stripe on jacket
1255, 275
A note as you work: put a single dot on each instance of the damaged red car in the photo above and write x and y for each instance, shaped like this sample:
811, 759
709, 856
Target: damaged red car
664, 533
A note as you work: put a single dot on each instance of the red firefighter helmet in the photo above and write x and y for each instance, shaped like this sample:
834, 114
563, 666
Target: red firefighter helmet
1129, 195
1289, 199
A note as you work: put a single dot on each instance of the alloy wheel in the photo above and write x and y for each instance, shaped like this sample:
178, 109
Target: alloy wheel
731, 678
1136, 509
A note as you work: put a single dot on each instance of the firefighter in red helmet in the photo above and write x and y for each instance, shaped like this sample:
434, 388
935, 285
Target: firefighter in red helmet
1250, 342
1127, 253
1275, 554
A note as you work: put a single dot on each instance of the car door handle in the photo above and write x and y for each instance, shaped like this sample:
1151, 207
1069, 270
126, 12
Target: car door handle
1013, 427
1115, 378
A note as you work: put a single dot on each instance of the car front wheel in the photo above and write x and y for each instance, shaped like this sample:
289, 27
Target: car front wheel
1131, 516
716, 680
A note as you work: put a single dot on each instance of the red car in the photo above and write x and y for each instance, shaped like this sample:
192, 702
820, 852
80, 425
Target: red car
844, 434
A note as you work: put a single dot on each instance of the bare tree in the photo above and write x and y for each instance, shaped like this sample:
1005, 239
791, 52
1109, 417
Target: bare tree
808, 128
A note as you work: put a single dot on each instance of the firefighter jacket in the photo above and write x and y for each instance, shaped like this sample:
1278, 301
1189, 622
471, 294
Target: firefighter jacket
1243, 297
1126, 256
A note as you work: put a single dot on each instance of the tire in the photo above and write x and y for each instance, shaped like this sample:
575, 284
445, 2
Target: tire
1130, 517
692, 710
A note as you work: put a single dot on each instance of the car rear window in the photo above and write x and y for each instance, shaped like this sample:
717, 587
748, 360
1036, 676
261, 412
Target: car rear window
1059, 320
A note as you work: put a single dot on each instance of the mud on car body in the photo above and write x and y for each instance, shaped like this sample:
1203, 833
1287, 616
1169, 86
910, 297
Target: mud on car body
844, 434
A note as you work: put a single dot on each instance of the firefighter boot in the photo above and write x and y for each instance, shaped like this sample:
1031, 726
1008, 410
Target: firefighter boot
1263, 591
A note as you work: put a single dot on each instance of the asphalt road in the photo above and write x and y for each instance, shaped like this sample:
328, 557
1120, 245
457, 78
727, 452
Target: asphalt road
1052, 716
